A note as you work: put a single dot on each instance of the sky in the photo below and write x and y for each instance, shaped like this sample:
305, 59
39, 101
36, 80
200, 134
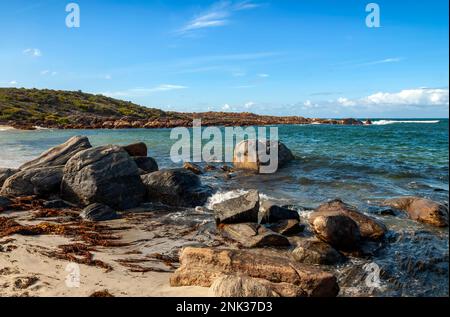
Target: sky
312, 58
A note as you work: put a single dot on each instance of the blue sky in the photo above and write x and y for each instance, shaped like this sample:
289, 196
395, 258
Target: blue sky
315, 58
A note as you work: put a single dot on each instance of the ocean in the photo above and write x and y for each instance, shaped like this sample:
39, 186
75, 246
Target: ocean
359, 164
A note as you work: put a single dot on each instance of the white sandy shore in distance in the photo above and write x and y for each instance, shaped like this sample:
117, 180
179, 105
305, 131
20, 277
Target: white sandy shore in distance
6, 128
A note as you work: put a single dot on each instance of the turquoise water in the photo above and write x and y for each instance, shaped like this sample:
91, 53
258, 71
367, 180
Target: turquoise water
359, 164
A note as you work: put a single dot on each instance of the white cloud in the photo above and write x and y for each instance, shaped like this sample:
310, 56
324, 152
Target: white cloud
414, 97
9, 83
45, 72
141, 92
226, 107
382, 61
218, 15
35, 52
249, 104
107, 77
263, 75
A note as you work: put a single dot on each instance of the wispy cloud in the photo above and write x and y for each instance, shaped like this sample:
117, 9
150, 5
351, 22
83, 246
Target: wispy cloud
263, 75
218, 15
382, 61
47, 72
10, 83
35, 52
142, 92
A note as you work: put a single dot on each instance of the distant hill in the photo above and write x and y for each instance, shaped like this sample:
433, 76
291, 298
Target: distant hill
26, 108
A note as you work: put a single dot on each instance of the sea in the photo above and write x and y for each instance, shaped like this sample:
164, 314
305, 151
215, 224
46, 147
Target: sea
361, 165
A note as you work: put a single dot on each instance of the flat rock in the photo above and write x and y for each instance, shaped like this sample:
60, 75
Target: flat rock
98, 212
252, 235
244, 208
136, 149
6, 173
41, 182
337, 229
368, 227
146, 164
202, 266
421, 209
314, 251
176, 187
287, 227
105, 174
59, 155
271, 213
244, 286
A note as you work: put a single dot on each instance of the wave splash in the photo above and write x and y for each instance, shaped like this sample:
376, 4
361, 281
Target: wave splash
385, 122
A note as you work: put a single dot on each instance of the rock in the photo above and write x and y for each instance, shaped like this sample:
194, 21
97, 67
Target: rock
41, 182
248, 159
98, 212
56, 204
368, 227
252, 235
176, 187
314, 251
136, 149
209, 167
227, 169
244, 208
421, 209
270, 213
5, 202
194, 168
6, 173
59, 155
146, 164
105, 174
244, 286
336, 229
201, 266
287, 227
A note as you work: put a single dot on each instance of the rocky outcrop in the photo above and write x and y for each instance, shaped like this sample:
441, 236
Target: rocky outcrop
244, 286
314, 251
146, 164
5, 202
98, 212
336, 229
41, 182
270, 213
105, 174
136, 149
194, 168
176, 187
421, 209
287, 227
246, 155
244, 208
6, 173
202, 266
252, 235
368, 227
59, 155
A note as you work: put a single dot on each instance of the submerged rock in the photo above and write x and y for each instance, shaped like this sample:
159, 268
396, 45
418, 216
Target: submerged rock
287, 227
336, 229
146, 164
136, 149
270, 213
105, 174
368, 227
244, 208
421, 209
314, 251
59, 155
246, 154
194, 168
252, 235
6, 173
244, 286
202, 266
98, 212
176, 187
41, 182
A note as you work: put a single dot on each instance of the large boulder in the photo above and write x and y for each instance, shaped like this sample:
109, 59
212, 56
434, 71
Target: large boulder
136, 149
244, 208
176, 187
271, 213
244, 286
287, 227
252, 235
368, 227
98, 212
6, 173
146, 164
246, 155
202, 266
59, 155
336, 229
314, 251
41, 182
106, 175
421, 209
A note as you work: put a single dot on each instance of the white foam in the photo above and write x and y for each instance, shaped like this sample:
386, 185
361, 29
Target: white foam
385, 122
223, 196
